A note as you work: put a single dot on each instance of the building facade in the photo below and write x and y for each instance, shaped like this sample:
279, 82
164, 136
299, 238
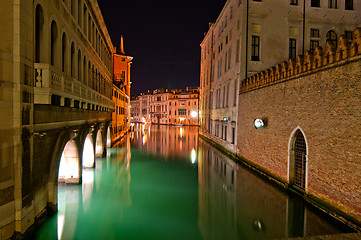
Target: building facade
297, 67
56, 94
251, 36
121, 92
183, 108
169, 107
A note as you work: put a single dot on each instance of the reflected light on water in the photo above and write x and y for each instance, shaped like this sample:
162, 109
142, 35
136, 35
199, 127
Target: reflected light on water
60, 225
181, 132
193, 156
87, 187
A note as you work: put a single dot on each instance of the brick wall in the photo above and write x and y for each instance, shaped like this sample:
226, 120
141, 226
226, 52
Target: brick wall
326, 104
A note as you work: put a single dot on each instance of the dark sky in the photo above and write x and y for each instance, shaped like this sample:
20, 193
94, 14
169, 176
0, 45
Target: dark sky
163, 36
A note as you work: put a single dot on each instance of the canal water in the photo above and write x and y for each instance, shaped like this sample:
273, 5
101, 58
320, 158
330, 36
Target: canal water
165, 183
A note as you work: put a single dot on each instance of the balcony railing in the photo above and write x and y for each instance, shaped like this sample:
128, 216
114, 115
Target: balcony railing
49, 81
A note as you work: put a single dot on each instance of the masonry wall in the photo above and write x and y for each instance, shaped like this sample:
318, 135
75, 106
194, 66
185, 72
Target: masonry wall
325, 104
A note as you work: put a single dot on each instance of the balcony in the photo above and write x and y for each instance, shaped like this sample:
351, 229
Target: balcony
49, 82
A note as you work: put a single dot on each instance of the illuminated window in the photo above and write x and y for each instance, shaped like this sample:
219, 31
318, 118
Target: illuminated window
294, 2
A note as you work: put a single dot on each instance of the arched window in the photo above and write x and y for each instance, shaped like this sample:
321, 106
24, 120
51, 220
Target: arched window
89, 75
54, 42
72, 63
63, 53
331, 37
84, 71
298, 160
79, 66
39, 26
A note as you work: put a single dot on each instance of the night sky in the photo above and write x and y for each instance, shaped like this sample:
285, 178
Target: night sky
163, 36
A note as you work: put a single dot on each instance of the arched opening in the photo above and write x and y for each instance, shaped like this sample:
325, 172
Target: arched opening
39, 27
88, 152
69, 164
84, 71
79, 66
298, 161
72, 63
54, 43
99, 145
63, 53
109, 139
331, 37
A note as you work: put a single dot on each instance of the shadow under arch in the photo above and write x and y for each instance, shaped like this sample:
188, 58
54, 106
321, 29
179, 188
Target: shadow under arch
298, 160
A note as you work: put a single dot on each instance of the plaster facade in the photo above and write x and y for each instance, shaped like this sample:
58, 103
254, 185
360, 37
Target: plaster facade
251, 36
56, 81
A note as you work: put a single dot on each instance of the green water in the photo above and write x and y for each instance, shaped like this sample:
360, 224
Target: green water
165, 183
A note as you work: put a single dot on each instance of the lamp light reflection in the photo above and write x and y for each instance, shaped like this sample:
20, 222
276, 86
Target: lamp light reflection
193, 156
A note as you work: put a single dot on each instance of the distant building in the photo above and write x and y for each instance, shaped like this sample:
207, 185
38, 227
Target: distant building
121, 92
159, 106
183, 108
163, 106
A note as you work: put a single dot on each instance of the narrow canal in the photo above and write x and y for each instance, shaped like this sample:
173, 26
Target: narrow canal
166, 183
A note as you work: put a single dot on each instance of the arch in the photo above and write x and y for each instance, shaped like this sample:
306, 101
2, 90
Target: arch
298, 160
64, 47
85, 71
109, 139
79, 66
39, 34
69, 164
72, 60
53, 43
88, 152
99, 144
331, 37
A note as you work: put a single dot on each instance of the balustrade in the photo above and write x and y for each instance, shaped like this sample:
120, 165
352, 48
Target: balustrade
48, 81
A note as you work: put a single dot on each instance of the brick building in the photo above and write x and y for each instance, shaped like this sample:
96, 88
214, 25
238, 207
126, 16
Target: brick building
310, 140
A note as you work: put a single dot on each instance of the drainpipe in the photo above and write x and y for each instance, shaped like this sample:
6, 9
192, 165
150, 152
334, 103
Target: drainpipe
304, 27
246, 63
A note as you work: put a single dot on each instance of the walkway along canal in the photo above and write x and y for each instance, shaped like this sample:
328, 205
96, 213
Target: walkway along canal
165, 183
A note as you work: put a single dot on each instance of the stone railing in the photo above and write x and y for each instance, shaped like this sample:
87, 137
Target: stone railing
306, 64
49, 80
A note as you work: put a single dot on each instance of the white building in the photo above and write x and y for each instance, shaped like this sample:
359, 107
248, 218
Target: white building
250, 36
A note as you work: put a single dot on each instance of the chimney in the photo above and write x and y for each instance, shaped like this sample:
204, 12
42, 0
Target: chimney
121, 45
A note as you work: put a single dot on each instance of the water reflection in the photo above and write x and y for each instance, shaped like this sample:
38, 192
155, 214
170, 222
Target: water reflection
236, 204
134, 193
169, 142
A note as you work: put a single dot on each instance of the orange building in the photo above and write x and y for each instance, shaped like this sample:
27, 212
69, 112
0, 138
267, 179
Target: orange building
183, 107
121, 92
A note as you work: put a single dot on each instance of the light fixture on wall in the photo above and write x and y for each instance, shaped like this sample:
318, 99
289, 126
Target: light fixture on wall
259, 123
225, 119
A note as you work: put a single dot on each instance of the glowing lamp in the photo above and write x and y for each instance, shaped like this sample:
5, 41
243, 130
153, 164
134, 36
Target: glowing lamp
259, 123
194, 114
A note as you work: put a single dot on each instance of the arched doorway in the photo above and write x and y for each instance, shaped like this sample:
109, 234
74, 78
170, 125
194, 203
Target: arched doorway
69, 164
88, 152
298, 160
99, 145
54, 44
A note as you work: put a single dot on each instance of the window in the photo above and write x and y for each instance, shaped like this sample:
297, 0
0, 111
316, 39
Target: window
349, 35
315, 3
255, 48
331, 37
332, 4
292, 48
349, 4
237, 50
294, 2
314, 44
315, 33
